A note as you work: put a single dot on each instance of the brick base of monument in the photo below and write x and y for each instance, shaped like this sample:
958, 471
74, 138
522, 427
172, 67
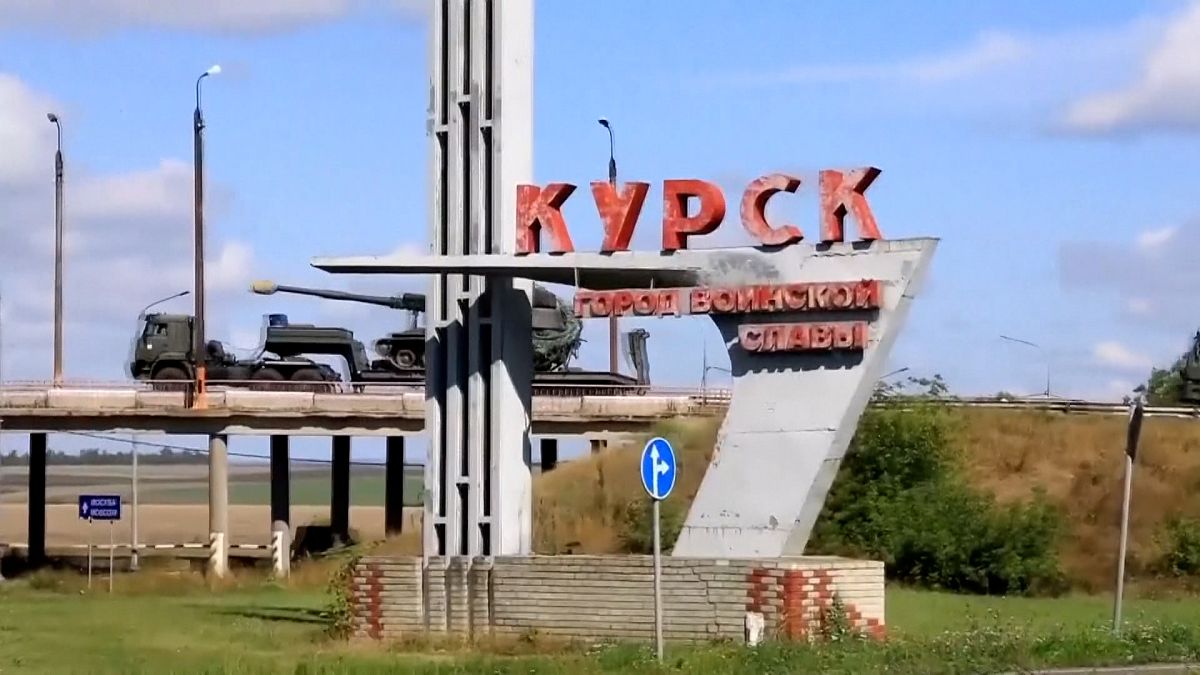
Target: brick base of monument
612, 597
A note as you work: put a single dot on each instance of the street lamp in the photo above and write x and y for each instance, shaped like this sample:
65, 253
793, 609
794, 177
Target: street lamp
198, 328
1039, 348
180, 294
613, 328
58, 253
612, 161
133, 553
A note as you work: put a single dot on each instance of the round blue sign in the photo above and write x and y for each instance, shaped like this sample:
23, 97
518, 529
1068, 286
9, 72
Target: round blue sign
658, 468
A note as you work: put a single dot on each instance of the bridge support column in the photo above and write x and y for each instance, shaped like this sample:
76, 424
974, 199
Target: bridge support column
339, 507
218, 505
281, 500
549, 454
393, 499
37, 500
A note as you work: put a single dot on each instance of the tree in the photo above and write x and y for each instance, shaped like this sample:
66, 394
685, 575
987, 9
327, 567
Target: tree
1165, 385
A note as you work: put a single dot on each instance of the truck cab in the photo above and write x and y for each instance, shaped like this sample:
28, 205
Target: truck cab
164, 338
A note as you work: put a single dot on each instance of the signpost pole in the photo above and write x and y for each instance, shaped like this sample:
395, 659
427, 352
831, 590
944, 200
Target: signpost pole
658, 478
101, 507
658, 618
1131, 441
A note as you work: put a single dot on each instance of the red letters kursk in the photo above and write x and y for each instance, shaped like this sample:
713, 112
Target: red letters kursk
539, 210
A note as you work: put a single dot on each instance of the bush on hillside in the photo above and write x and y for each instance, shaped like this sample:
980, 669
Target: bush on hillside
636, 526
1181, 543
900, 497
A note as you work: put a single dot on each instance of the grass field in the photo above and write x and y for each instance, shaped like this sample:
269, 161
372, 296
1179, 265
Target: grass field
162, 625
188, 484
188, 523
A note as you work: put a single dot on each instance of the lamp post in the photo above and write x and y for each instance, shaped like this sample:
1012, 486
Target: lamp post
58, 253
198, 327
133, 520
180, 294
1039, 348
704, 368
613, 328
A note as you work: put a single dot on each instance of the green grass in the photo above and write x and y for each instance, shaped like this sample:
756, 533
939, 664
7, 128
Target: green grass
163, 627
924, 613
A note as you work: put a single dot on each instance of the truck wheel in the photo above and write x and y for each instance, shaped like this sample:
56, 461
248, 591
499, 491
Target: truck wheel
264, 377
309, 375
405, 358
170, 378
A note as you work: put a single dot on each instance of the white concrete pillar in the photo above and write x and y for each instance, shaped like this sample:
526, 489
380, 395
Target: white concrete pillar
218, 505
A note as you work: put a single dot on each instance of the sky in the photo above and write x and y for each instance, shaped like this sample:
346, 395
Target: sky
1051, 147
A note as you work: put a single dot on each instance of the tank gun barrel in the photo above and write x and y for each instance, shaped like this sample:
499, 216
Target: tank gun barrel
413, 302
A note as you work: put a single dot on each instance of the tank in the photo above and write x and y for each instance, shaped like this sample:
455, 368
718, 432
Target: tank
556, 329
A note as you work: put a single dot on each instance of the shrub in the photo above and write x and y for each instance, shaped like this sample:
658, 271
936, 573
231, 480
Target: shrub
637, 525
899, 497
1181, 541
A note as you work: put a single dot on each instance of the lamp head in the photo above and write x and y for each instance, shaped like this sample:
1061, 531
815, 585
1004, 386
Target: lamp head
52, 117
603, 122
263, 287
215, 70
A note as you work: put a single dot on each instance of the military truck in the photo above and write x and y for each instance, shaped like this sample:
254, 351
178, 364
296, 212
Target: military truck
163, 354
556, 340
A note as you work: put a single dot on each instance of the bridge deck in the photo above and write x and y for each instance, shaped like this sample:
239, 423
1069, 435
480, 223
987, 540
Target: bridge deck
244, 412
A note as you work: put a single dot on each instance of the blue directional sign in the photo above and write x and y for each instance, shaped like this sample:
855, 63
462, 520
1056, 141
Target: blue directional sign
100, 507
658, 468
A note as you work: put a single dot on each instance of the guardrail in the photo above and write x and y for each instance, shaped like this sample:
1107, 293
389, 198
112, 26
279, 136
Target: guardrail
706, 395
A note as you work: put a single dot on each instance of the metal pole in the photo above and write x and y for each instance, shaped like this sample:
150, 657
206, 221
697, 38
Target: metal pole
613, 326
58, 254
90, 554
133, 552
198, 328
111, 557
1132, 434
658, 609
1124, 538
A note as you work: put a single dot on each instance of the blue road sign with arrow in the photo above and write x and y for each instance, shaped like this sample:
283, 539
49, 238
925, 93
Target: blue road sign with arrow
658, 468
100, 507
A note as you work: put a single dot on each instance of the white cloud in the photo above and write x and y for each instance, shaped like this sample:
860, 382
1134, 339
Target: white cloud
1150, 279
1139, 306
92, 17
127, 242
1116, 355
1165, 94
22, 139
1152, 239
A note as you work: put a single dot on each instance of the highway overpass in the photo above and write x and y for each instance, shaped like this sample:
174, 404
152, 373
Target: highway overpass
378, 411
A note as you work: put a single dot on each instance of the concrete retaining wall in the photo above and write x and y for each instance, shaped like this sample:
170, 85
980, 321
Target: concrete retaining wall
590, 597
